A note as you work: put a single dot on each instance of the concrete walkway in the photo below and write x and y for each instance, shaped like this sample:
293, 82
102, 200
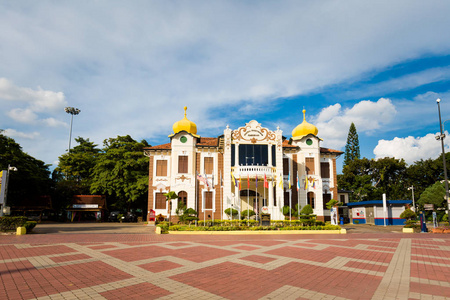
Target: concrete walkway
128, 261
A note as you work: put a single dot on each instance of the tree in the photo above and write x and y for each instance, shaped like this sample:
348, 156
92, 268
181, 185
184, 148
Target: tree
352, 147
169, 197
121, 171
434, 194
78, 164
32, 178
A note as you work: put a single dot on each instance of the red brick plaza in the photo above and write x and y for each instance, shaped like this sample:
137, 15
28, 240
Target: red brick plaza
147, 266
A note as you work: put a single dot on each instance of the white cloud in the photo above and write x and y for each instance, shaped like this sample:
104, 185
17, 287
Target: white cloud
17, 134
411, 149
26, 116
52, 122
333, 122
39, 100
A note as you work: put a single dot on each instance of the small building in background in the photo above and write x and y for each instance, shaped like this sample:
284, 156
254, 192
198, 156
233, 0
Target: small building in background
87, 208
371, 212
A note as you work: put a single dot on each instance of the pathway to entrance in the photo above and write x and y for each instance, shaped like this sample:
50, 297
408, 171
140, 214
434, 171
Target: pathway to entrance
129, 261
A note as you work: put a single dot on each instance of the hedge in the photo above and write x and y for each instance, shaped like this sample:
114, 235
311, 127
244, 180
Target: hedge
11, 223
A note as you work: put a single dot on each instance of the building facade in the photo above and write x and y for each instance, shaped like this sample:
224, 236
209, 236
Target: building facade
251, 167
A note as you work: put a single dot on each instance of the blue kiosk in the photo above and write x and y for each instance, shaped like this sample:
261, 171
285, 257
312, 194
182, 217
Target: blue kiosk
371, 212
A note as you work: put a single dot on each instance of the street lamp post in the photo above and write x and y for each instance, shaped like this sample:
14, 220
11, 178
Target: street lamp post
441, 137
414, 204
72, 111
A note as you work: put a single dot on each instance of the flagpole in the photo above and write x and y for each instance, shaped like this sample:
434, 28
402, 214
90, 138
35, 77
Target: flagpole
248, 198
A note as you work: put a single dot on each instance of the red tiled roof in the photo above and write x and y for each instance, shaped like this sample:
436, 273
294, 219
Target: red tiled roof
208, 141
159, 147
201, 142
287, 145
328, 150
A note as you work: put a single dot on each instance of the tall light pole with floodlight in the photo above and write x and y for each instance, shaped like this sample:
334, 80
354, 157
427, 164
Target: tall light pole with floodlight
411, 188
72, 111
441, 137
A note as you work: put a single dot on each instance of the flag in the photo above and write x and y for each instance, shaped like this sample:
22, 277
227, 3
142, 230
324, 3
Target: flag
234, 180
206, 181
266, 184
239, 182
298, 183
248, 181
306, 182
281, 182
289, 180
202, 179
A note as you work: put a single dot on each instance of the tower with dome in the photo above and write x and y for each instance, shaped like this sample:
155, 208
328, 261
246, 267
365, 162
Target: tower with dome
251, 167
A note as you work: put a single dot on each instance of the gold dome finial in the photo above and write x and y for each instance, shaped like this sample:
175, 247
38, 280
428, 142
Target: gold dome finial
304, 128
185, 125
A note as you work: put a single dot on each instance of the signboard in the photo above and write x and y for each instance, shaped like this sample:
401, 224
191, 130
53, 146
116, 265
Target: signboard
265, 219
265, 210
85, 206
428, 206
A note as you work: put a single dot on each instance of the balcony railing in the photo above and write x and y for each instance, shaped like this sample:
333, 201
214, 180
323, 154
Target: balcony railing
252, 171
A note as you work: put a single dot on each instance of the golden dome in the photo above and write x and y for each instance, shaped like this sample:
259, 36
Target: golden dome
185, 125
304, 129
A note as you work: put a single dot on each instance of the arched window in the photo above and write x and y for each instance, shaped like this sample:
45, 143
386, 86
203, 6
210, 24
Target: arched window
182, 197
311, 200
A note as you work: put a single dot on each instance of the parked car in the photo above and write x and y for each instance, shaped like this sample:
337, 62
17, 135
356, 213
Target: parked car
113, 216
131, 217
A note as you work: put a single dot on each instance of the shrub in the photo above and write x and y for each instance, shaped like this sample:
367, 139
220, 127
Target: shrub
307, 210
233, 212
29, 225
408, 214
356, 221
11, 223
164, 227
159, 218
247, 213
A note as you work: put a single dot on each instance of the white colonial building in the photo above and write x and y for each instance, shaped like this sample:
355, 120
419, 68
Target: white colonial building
251, 167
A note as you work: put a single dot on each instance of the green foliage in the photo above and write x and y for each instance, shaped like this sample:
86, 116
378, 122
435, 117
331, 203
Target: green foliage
32, 178
333, 203
121, 171
230, 211
246, 214
408, 214
78, 165
286, 210
369, 179
444, 218
352, 147
29, 225
307, 210
164, 227
188, 215
434, 194
11, 223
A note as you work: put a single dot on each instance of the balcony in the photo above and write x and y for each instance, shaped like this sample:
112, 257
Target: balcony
252, 171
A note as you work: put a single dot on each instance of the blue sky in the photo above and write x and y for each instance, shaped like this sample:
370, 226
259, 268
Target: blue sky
132, 66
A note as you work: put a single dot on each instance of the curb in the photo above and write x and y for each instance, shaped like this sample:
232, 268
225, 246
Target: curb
342, 231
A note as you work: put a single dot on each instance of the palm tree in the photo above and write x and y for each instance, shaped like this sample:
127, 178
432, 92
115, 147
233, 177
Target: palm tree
169, 197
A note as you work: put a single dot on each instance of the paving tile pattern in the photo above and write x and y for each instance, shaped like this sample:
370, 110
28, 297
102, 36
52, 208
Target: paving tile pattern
148, 266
